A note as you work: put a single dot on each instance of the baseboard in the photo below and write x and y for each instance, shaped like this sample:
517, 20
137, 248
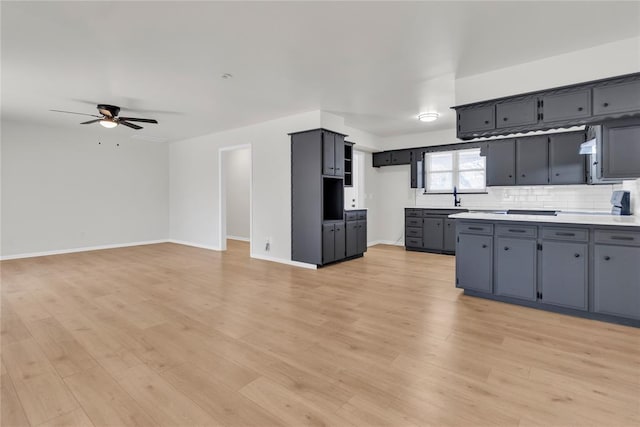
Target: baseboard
385, 242
84, 249
285, 261
242, 239
195, 245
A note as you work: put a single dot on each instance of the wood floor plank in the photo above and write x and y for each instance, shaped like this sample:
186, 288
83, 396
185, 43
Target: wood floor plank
173, 335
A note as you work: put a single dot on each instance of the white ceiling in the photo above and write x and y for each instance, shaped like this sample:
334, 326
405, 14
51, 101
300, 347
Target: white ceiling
376, 63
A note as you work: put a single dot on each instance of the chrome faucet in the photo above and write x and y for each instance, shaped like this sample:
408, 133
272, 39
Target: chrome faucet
456, 201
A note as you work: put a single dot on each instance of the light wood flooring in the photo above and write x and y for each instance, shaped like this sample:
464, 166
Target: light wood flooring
177, 336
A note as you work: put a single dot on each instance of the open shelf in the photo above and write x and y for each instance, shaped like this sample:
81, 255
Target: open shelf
332, 199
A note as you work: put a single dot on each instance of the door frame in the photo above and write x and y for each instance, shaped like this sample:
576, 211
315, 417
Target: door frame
222, 192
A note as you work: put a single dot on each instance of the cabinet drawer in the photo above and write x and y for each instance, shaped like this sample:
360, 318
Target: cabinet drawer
622, 237
351, 216
413, 222
413, 242
574, 234
362, 214
474, 228
414, 232
413, 212
517, 230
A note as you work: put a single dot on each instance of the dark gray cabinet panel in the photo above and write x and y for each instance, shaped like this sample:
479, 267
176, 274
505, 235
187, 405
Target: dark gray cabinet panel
417, 169
340, 247
476, 119
474, 262
328, 243
564, 274
328, 153
515, 267
566, 106
362, 236
339, 155
616, 98
352, 238
401, 157
381, 159
566, 164
501, 160
449, 235
621, 149
616, 284
517, 113
432, 233
532, 160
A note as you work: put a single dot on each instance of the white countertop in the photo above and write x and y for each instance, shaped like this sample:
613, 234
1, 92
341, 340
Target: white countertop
561, 218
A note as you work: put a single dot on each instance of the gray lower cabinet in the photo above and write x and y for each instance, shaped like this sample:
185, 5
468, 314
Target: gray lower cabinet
362, 236
356, 233
515, 267
564, 274
616, 281
432, 234
352, 238
328, 243
339, 234
474, 262
501, 163
449, 235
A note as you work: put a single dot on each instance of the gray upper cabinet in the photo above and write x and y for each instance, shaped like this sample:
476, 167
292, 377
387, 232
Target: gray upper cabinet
515, 267
616, 98
328, 153
476, 119
566, 164
532, 160
564, 274
621, 149
381, 159
566, 105
432, 233
501, 156
338, 155
616, 283
474, 262
401, 157
517, 113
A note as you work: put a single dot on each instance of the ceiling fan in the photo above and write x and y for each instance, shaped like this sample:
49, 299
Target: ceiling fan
109, 117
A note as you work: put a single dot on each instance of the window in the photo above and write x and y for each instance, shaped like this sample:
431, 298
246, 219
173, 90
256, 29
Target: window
464, 169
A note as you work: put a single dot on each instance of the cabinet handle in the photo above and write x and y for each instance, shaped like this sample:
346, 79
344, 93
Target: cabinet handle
515, 230
577, 255
523, 175
580, 108
506, 248
627, 238
557, 174
510, 176
484, 246
505, 119
486, 122
606, 104
607, 258
476, 228
565, 234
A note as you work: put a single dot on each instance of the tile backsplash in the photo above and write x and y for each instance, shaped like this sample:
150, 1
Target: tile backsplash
565, 197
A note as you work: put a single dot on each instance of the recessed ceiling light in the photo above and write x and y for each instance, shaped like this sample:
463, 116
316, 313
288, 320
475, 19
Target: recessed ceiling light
428, 117
226, 76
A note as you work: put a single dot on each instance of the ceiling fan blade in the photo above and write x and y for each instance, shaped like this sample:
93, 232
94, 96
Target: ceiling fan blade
73, 112
91, 121
133, 119
131, 125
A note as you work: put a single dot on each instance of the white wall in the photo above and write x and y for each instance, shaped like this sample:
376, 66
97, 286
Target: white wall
194, 187
61, 190
237, 172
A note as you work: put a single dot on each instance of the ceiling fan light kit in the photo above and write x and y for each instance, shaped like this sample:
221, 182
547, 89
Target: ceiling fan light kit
109, 119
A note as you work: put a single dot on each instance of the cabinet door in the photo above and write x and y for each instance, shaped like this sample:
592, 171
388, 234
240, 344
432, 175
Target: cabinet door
340, 247
501, 163
566, 164
328, 153
352, 238
564, 274
339, 155
400, 157
476, 119
474, 262
617, 280
517, 113
616, 98
621, 149
432, 233
449, 235
417, 171
328, 243
362, 236
381, 159
566, 106
532, 160
516, 267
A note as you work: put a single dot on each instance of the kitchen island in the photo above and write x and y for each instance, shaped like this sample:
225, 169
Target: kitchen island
586, 265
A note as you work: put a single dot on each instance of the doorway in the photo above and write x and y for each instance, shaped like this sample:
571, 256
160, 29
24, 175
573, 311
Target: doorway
235, 197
